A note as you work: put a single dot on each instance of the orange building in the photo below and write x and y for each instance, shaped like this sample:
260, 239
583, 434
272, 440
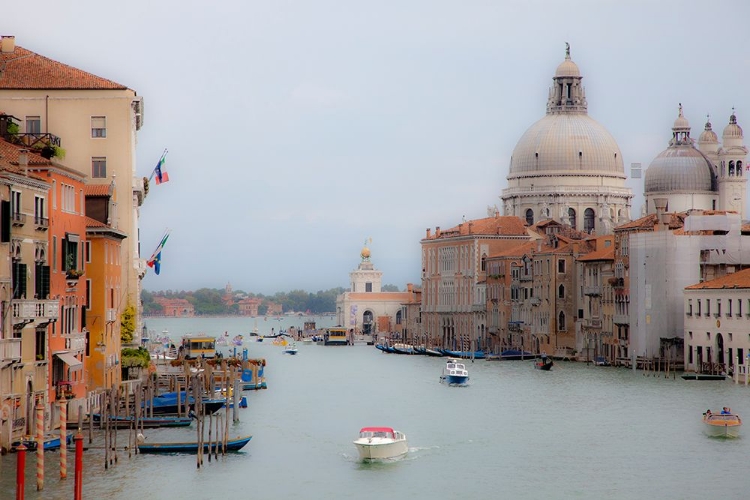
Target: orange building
249, 306
66, 277
103, 288
177, 308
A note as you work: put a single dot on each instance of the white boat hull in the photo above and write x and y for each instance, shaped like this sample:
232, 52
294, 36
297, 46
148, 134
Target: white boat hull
375, 448
723, 430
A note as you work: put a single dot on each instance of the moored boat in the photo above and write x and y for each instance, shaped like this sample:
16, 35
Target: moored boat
454, 373
380, 443
464, 354
724, 424
123, 422
235, 444
51, 442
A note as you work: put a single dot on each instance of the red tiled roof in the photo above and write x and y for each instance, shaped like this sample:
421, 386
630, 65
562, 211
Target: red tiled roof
26, 70
96, 189
501, 225
9, 158
740, 279
94, 223
606, 253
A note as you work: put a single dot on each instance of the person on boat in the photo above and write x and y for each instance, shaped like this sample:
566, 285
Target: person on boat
708, 413
725, 411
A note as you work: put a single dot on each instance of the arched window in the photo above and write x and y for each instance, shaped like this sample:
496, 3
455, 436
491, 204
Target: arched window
561, 321
731, 168
588, 220
529, 217
739, 168
561, 292
544, 214
572, 218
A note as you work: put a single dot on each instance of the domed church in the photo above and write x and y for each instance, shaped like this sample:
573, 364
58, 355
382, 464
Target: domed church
708, 177
567, 166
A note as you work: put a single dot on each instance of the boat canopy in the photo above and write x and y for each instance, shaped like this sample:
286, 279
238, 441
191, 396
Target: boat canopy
376, 429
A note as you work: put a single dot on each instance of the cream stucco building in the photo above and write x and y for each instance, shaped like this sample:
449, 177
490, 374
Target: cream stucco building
96, 122
567, 166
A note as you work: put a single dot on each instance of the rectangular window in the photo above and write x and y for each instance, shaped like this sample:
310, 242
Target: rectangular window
54, 195
690, 307
54, 253
33, 125
68, 198
87, 251
19, 280
98, 126
708, 307
41, 276
15, 205
39, 217
99, 167
368, 287
70, 252
88, 295
561, 266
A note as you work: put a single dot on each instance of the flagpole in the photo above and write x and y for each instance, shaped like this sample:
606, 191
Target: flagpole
158, 164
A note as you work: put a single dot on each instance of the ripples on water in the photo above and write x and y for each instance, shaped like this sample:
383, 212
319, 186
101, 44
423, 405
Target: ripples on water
576, 432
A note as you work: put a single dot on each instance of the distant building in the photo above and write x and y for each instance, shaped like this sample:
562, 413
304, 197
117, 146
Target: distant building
176, 307
249, 306
365, 309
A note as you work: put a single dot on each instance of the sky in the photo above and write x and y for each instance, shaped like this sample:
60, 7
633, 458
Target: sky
299, 130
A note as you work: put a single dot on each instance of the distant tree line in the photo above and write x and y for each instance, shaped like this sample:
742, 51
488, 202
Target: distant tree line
210, 301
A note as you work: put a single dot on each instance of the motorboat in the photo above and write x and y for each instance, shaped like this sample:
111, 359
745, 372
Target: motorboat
290, 349
724, 424
380, 443
454, 373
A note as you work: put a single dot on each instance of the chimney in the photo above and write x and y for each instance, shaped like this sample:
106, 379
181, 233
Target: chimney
23, 160
437, 231
661, 210
428, 234
7, 44
471, 227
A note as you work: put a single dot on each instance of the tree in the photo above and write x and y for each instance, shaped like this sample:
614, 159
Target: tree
390, 288
127, 324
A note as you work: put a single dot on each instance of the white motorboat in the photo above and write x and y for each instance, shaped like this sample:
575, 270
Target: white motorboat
454, 373
380, 443
724, 424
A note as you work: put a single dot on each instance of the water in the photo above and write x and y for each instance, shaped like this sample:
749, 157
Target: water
579, 432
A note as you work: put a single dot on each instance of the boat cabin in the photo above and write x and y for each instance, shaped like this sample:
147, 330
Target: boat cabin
335, 336
198, 346
377, 432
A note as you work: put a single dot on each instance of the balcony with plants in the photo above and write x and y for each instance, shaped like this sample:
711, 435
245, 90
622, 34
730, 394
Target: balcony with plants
46, 144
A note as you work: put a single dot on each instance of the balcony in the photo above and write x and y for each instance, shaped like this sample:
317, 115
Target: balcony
75, 341
621, 319
526, 277
35, 140
18, 219
535, 301
10, 350
592, 290
27, 311
41, 223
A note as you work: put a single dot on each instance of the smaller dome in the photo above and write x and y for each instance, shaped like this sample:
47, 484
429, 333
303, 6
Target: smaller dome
680, 169
732, 130
567, 68
365, 253
708, 135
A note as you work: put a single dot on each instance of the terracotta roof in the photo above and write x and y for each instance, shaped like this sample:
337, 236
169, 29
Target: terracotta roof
96, 189
500, 225
648, 222
94, 223
519, 250
606, 253
9, 158
740, 279
26, 70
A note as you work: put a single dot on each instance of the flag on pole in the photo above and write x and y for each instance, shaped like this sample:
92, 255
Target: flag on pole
159, 171
155, 260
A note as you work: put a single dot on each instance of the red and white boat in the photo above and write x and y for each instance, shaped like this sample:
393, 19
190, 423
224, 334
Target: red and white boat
380, 443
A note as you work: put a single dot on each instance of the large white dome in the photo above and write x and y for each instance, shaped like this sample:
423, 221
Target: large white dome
566, 144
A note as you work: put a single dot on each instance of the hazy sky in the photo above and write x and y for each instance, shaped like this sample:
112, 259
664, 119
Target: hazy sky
298, 129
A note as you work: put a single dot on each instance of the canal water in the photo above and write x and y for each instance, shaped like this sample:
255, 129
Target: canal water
578, 432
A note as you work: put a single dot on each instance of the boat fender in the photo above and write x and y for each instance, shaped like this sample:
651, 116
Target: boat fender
140, 437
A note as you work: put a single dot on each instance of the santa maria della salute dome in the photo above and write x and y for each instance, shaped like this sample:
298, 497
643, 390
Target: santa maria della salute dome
567, 166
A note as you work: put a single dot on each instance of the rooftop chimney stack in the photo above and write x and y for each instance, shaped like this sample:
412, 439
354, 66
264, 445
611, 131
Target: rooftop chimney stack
661, 210
7, 44
23, 160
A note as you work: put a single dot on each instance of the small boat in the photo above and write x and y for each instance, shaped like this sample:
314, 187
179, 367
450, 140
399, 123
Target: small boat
235, 444
433, 352
601, 361
454, 373
544, 363
169, 403
724, 424
291, 349
703, 376
380, 443
51, 442
307, 341
464, 354
403, 349
515, 354
123, 422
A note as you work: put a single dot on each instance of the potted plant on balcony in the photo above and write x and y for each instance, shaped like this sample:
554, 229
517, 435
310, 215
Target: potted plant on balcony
73, 274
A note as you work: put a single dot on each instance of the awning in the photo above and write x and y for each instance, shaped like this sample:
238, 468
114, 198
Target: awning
69, 360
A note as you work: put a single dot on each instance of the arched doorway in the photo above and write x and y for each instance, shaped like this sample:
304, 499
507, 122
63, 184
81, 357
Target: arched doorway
367, 323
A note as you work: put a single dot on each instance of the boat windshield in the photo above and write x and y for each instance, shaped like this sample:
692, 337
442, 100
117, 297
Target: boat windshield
376, 434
